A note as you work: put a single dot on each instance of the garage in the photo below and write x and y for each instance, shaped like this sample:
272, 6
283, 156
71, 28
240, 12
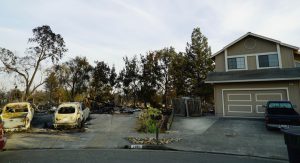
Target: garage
249, 102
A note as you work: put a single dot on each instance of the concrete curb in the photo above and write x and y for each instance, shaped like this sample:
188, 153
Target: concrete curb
162, 147
150, 147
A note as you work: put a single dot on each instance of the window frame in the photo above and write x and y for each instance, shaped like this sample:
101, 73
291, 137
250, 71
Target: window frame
257, 61
237, 69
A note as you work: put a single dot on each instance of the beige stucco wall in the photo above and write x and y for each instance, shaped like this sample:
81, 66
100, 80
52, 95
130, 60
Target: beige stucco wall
287, 57
251, 61
293, 89
261, 46
220, 62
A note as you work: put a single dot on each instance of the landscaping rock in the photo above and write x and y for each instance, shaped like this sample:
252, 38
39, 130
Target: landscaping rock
162, 141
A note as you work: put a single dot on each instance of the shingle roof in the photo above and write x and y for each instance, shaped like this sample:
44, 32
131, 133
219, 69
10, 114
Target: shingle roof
274, 74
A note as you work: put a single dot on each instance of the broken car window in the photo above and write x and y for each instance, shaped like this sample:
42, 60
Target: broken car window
16, 109
66, 110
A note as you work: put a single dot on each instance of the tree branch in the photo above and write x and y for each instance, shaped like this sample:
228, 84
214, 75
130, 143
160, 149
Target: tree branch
35, 87
15, 70
35, 70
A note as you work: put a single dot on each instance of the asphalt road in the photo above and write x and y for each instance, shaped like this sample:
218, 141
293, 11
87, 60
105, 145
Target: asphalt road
119, 155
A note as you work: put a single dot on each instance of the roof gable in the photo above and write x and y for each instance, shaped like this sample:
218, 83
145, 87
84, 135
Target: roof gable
254, 35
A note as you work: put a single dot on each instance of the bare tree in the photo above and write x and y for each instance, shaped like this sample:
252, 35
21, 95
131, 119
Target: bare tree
46, 45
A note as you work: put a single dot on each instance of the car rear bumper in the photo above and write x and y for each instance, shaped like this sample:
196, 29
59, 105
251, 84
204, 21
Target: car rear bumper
278, 126
281, 126
23, 128
65, 125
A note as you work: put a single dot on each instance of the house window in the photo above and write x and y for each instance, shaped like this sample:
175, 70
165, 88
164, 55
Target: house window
236, 63
270, 60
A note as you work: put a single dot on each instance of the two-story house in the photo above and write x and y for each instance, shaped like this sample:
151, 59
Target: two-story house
252, 70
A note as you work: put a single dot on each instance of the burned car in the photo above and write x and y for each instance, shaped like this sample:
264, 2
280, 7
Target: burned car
2, 136
17, 116
71, 115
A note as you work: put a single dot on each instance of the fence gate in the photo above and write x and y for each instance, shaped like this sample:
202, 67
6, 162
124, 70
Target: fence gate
187, 107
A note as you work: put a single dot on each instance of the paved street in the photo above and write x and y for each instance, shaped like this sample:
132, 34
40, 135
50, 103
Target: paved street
243, 137
116, 155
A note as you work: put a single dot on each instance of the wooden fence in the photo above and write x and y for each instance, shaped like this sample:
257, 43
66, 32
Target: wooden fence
187, 107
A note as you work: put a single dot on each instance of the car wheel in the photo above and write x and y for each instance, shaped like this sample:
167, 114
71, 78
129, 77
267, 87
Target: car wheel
79, 124
82, 124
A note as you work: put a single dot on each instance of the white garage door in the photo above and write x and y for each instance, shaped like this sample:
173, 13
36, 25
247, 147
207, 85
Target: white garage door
248, 103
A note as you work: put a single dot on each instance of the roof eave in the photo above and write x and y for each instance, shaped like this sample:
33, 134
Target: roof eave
252, 80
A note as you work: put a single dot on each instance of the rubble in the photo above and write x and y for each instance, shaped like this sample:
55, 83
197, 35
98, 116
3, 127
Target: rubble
102, 108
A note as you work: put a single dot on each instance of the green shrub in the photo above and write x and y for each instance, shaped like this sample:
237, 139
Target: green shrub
147, 124
151, 126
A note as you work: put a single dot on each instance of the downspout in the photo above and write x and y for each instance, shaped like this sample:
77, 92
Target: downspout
226, 64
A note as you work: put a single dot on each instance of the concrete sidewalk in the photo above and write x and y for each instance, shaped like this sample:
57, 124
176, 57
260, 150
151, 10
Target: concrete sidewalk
230, 136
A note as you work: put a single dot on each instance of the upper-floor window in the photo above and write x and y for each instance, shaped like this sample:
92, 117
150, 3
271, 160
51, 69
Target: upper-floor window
237, 63
268, 61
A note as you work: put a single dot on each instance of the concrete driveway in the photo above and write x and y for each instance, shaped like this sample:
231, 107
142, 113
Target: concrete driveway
228, 135
102, 131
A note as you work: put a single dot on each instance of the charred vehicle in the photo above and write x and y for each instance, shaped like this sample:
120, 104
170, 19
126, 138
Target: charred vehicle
2, 137
71, 115
17, 116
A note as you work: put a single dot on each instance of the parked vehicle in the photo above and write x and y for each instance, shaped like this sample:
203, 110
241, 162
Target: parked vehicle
2, 137
280, 114
71, 115
17, 116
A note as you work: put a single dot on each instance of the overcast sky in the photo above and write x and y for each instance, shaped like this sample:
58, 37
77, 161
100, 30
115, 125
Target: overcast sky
110, 29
